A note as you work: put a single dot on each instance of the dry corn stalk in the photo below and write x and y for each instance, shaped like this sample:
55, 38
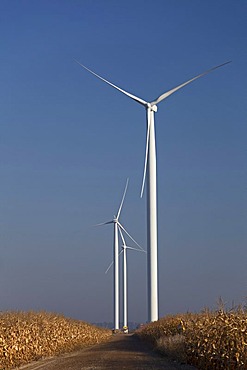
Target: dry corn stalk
213, 341
25, 337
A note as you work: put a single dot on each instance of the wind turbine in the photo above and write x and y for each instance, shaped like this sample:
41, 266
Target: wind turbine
150, 169
125, 278
117, 225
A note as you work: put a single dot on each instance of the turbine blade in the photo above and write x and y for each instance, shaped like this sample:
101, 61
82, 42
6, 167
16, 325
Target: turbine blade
170, 92
104, 223
121, 204
135, 249
108, 268
136, 98
126, 232
146, 152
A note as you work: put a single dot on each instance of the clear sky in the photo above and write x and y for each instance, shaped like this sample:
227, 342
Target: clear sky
69, 141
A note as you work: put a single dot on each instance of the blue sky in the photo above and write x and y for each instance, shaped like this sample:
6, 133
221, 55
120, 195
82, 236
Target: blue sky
68, 143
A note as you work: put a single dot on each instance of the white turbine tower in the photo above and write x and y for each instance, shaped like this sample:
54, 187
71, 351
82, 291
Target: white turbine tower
150, 168
117, 225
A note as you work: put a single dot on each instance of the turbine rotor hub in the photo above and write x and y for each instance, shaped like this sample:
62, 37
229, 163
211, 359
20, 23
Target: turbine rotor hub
154, 108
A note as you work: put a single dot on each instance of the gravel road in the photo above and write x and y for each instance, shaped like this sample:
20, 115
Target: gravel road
121, 352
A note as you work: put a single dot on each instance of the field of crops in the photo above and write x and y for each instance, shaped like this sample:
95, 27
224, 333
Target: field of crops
209, 340
29, 336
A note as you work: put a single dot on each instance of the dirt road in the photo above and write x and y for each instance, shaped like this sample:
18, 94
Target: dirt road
121, 352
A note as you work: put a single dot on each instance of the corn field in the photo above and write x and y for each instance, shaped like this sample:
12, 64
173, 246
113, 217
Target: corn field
209, 340
25, 337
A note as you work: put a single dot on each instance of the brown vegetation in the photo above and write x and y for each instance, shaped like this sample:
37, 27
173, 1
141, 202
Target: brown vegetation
209, 340
25, 337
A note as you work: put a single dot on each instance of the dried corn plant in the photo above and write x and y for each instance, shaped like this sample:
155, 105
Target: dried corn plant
209, 340
25, 337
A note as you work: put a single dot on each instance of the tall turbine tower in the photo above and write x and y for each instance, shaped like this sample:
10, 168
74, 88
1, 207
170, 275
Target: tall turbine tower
150, 169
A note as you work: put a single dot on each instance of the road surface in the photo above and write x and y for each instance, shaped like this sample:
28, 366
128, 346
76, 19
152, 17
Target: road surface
121, 352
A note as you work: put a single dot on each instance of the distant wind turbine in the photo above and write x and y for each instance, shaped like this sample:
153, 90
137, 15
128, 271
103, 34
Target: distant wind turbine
125, 278
117, 225
150, 169
125, 275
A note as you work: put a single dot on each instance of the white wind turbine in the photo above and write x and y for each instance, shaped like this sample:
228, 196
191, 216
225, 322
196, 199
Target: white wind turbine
117, 226
125, 278
150, 168
125, 274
